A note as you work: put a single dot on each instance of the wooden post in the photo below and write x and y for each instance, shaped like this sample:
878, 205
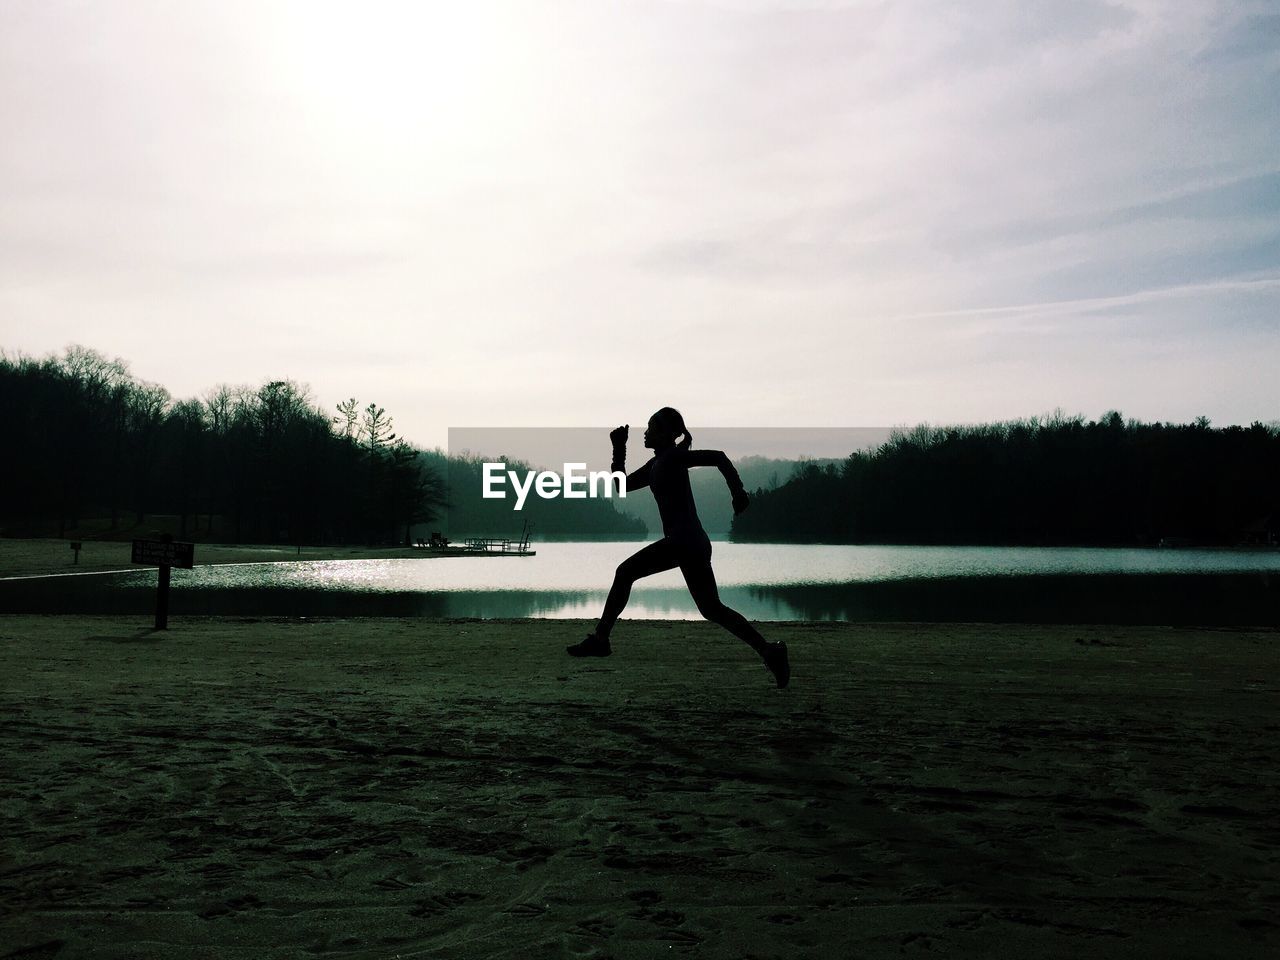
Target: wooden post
75, 545
166, 555
162, 600
162, 593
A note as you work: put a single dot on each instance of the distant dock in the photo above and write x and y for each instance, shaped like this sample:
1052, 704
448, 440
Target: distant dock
478, 546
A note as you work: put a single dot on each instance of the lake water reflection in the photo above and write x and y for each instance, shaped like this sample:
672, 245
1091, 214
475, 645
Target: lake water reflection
763, 581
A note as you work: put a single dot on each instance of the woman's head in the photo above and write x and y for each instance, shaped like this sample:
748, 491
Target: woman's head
664, 427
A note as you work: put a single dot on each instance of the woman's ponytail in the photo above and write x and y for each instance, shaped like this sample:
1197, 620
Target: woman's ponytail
687, 442
672, 416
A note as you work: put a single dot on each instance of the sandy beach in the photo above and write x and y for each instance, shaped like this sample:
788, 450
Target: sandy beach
380, 788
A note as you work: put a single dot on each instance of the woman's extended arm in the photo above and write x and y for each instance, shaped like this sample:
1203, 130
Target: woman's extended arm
717, 459
639, 479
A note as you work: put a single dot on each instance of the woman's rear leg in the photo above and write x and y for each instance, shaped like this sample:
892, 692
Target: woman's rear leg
702, 585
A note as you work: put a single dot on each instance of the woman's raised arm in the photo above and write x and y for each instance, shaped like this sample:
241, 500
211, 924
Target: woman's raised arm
637, 480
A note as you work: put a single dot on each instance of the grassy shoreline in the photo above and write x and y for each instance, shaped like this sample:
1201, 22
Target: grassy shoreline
372, 788
42, 557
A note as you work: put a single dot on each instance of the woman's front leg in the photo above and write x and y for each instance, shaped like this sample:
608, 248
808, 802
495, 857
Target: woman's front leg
645, 562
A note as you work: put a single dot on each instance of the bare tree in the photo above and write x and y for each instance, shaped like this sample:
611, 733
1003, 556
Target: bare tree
376, 435
416, 492
188, 426
93, 434
146, 412
375, 430
350, 414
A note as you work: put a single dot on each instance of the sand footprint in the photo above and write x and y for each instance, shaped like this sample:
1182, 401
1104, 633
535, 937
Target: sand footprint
439, 903
784, 919
234, 905
595, 927
526, 911
666, 918
681, 938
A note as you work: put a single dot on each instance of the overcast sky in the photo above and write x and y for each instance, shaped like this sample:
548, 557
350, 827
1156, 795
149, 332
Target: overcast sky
556, 214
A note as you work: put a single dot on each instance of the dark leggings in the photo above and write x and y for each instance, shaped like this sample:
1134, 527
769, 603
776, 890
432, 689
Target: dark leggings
693, 557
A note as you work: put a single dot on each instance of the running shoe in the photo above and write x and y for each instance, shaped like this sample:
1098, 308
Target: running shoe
592, 646
775, 658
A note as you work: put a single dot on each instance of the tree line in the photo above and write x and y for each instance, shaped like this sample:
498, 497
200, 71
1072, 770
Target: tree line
94, 451
94, 447
1053, 481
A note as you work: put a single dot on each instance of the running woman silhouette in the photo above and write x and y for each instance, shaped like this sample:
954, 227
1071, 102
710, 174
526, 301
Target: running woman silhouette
684, 543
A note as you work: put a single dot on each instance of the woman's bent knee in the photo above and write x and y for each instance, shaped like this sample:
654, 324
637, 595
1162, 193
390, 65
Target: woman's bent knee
715, 612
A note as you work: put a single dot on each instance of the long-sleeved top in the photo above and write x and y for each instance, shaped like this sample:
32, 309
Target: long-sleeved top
667, 475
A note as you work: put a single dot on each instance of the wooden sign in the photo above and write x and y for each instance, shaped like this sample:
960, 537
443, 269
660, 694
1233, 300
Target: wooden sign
164, 554
158, 553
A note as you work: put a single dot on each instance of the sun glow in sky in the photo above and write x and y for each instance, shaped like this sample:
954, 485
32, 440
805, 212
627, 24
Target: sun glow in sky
766, 214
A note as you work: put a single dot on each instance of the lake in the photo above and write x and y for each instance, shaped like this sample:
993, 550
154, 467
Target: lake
763, 581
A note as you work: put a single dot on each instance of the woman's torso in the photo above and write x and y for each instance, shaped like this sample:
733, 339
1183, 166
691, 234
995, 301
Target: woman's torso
669, 480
